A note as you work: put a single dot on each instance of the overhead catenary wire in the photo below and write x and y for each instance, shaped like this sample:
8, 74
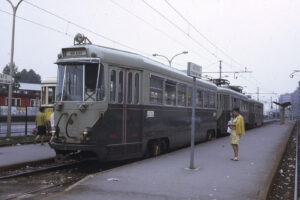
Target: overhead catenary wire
180, 29
201, 34
70, 22
157, 29
38, 24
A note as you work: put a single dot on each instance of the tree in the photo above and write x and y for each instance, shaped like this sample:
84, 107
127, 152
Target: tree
30, 76
16, 76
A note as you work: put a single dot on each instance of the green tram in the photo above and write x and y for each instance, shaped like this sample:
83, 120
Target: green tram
118, 105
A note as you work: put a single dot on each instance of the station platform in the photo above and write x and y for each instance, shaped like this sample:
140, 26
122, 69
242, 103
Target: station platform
20, 154
217, 176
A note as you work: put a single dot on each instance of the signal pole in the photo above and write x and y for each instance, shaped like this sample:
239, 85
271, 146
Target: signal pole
8, 134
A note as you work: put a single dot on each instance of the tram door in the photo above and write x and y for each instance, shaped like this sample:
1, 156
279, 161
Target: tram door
126, 94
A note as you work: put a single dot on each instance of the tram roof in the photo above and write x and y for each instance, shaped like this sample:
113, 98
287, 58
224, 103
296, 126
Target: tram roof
125, 58
232, 92
49, 80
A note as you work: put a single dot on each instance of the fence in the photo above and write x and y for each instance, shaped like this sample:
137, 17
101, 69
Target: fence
22, 120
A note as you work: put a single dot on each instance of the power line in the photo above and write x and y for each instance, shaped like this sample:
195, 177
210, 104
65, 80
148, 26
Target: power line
180, 29
155, 28
86, 29
38, 24
201, 34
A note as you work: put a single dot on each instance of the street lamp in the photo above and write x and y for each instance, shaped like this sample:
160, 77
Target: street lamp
170, 60
292, 74
11, 66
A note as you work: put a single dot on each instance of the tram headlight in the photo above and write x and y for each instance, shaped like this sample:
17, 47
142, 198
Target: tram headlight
79, 38
85, 134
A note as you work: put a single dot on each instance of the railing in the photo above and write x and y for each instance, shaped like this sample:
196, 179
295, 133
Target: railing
23, 120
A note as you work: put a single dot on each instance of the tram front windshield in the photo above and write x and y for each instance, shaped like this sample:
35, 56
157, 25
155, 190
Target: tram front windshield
80, 82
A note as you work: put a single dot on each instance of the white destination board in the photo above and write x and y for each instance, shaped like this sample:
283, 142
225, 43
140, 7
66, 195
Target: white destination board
6, 79
194, 70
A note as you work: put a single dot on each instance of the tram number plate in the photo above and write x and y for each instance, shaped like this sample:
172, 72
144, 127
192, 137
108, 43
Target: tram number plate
72, 53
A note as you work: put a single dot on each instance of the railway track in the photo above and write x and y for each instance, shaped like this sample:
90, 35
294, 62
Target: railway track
39, 182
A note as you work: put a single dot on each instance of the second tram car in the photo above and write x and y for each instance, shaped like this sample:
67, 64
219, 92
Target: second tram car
48, 95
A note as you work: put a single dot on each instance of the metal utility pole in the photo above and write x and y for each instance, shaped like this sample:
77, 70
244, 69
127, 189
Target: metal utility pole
257, 93
220, 69
8, 134
194, 71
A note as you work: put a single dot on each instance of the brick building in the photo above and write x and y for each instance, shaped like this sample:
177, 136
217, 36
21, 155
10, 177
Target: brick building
28, 95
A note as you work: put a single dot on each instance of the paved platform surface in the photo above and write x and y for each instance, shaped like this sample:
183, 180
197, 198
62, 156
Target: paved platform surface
218, 177
15, 155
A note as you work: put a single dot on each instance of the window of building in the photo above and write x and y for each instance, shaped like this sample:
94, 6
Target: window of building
156, 90
14, 102
170, 93
181, 95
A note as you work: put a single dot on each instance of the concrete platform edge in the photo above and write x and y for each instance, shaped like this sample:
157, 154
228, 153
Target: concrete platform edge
22, 164
265, 191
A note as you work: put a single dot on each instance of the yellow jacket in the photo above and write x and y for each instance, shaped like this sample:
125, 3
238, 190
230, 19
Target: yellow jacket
240, 125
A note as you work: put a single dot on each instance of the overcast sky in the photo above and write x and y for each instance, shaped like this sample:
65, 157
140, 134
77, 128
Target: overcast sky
262, 35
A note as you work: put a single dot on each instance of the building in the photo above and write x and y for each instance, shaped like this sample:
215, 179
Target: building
296, 103
27, 95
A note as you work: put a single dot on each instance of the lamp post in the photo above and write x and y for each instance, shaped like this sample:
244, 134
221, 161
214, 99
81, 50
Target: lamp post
8, 134
292, 74
170, 60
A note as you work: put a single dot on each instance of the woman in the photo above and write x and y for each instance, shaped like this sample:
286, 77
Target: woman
237, 129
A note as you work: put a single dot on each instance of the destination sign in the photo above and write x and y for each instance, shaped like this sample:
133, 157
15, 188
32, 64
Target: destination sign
194, 70
6, 79
74, 52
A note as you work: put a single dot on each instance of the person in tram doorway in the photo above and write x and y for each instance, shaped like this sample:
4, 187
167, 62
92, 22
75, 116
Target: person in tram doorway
237, 130
41, 124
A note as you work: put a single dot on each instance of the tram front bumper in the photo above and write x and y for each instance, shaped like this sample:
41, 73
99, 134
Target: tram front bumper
73, 147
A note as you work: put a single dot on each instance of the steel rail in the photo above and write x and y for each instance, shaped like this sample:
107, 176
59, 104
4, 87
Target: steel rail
51, 168
296, 165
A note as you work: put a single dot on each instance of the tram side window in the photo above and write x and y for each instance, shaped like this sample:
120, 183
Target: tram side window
51, 95
129, 83
170, 93
226, 102
206, 99
190, 94
156, 90
43, 95
101, 84
212, 99
181, 95
136, 88
199, 98
120, 87
113, 84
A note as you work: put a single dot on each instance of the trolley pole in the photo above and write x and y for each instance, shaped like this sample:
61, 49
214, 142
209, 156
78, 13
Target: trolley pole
8, 134
195, 72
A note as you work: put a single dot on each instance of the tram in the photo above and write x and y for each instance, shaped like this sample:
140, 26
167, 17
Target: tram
118, 105
48, 96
